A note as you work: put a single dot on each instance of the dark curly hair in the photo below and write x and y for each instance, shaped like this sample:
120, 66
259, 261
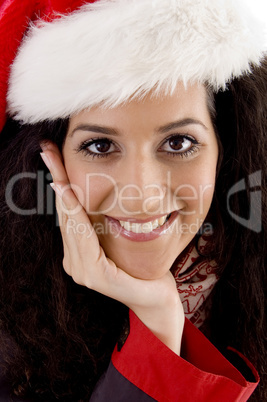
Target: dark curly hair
56, 336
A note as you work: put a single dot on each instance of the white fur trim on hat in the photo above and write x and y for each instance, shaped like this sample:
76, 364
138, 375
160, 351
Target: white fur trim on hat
112, 50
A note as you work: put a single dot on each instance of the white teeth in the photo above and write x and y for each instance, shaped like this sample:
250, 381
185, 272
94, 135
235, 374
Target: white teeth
162, 220
146, 227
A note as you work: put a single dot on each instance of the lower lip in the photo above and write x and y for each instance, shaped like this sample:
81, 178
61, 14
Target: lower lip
141, 236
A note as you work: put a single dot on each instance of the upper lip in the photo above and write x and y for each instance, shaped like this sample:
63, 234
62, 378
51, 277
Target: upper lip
133, 220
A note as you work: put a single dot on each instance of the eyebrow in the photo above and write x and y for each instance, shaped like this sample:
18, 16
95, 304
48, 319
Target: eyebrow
180, 124
95, 128
160, 130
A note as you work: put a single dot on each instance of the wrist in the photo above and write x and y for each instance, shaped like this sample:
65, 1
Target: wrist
166, 322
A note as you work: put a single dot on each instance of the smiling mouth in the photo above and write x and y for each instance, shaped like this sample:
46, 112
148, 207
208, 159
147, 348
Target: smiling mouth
146, 227
139, 231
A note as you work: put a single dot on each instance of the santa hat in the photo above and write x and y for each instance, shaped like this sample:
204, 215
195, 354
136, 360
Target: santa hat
59, 57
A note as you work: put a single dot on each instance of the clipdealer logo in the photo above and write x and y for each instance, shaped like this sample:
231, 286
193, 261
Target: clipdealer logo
143, 197
254, 222
45, 199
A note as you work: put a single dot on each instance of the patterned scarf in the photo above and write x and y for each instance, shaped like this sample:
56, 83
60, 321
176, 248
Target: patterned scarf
195, 278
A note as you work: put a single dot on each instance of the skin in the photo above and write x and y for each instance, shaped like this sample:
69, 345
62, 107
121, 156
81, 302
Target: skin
136, 273
138, 160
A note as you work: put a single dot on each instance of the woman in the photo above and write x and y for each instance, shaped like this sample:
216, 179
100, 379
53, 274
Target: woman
150, 116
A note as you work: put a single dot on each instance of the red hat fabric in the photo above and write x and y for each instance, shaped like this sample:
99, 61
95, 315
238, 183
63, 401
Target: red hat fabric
15, 18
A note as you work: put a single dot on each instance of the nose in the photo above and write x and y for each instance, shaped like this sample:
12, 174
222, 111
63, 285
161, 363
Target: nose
142, 187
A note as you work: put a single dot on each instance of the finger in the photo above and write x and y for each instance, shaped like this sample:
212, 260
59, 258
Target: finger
50, 146
84, 259
70, 241
75, 224
53, 159
54, 162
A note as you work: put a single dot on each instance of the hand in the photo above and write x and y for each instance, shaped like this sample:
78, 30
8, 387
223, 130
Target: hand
155, 302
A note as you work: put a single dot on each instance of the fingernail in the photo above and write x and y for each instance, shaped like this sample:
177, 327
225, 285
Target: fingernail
44, 145
46, 159
57, 189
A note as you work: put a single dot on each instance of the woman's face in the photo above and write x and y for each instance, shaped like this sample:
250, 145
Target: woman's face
145, 174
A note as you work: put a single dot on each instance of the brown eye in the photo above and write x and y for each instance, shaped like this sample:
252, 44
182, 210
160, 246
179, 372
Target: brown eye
102, 146
180, 145
98, 147
177, 144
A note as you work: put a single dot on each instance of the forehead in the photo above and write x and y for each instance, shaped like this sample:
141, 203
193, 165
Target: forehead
191, 101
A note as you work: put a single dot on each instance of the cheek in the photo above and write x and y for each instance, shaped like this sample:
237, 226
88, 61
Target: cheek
197, 188
77, 179
95, 191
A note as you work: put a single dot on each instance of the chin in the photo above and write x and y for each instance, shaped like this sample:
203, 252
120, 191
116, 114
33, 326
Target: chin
143, 267
145, 275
